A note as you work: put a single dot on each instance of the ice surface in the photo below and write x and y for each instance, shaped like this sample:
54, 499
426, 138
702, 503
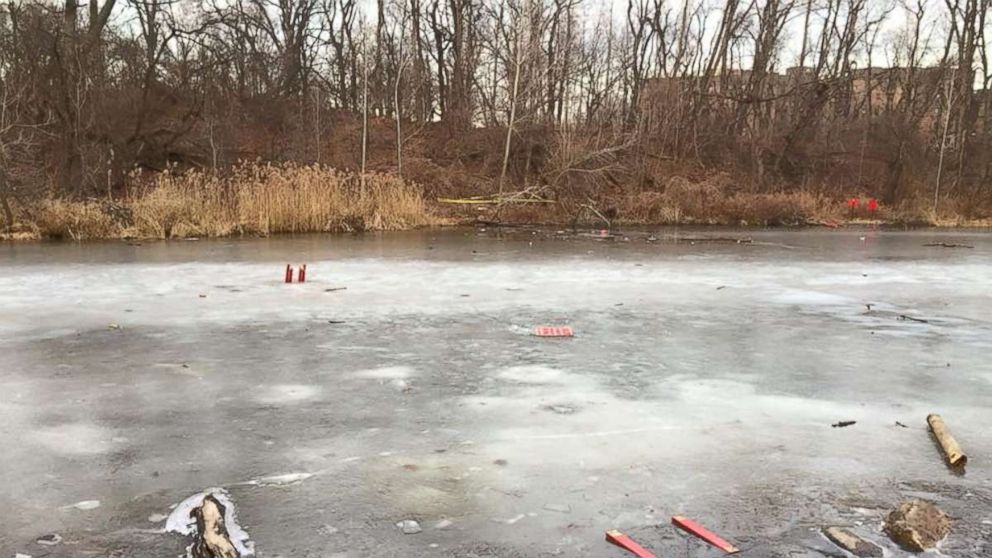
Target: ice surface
399, 398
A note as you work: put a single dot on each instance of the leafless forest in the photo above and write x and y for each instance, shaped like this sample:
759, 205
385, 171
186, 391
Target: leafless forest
631, 110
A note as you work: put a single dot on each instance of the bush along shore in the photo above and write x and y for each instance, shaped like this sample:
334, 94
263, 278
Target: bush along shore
256, 199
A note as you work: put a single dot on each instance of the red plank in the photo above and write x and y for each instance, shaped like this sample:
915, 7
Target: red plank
553, 331
693, 528
623, 541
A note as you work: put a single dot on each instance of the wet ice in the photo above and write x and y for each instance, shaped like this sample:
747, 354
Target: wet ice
425, 405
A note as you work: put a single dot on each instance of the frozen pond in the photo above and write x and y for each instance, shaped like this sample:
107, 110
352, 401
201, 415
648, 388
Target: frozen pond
703, 381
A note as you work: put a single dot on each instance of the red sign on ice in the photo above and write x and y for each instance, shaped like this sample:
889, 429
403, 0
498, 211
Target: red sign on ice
553, 331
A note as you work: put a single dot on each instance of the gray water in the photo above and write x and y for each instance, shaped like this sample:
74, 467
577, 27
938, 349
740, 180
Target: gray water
401, 382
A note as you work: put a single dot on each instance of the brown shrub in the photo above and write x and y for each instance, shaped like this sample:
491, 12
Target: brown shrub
707, 202
60, 219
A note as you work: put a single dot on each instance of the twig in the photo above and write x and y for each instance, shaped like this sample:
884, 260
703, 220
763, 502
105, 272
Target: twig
590, 207
506, 198
946, 245
743, 240
912, 319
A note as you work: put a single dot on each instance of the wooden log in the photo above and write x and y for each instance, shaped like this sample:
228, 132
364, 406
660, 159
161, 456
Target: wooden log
952, 451
212, 540
852, 543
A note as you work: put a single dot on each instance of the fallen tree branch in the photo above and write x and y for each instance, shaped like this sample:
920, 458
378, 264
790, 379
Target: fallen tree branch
590, 207
516, 197
946, 245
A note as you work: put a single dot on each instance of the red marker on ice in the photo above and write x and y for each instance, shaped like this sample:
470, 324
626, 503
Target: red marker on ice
693, 528
623, 541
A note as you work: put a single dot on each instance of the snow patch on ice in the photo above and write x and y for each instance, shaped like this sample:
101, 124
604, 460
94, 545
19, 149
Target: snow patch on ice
533, 374
811, 298
386, 373
85, 505
286, 393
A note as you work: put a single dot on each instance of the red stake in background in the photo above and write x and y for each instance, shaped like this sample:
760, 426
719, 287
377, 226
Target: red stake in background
623, 541
872, 205
693, 528
852, 205
289, 273
303, 273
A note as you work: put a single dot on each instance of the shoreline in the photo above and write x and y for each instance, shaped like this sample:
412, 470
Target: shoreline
268, 199
569, 228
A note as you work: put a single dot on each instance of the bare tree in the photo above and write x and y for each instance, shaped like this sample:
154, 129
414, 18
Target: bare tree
517, 48
504, 92
402, 60
18, 141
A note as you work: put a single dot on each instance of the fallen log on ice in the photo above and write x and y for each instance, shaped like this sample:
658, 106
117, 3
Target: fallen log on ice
952, 451
852, 543
212, 540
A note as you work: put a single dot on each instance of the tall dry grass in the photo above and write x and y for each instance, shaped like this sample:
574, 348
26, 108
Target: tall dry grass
252, 199
712, 202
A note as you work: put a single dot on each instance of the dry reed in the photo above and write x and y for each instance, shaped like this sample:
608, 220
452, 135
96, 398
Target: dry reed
252, 199
685, 202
